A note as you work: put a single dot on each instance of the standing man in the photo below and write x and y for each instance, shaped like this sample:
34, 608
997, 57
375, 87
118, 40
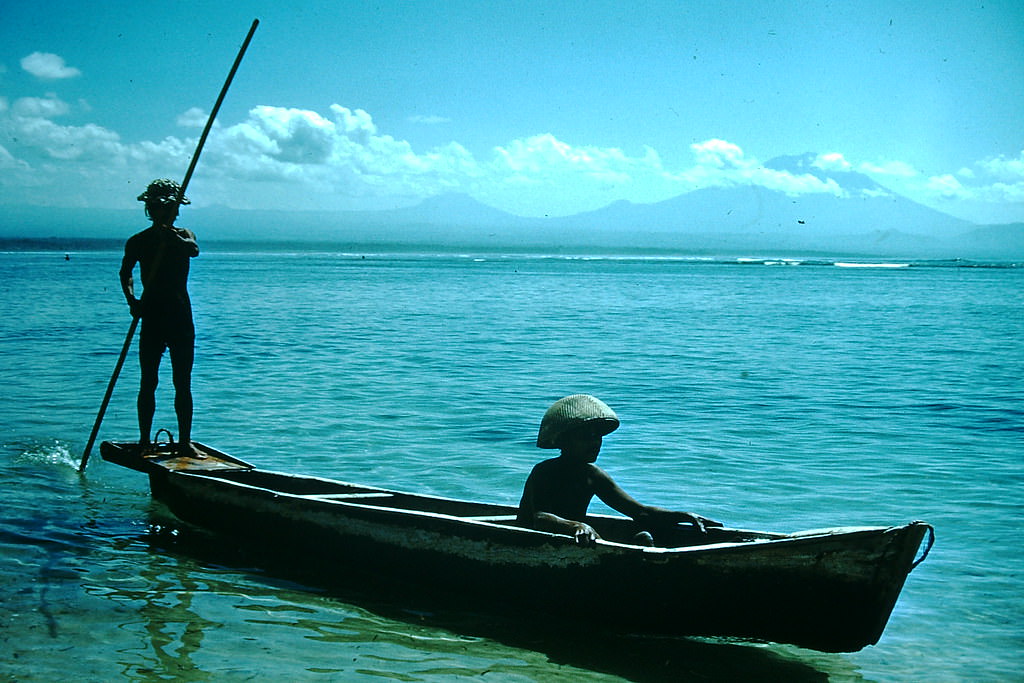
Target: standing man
163, 252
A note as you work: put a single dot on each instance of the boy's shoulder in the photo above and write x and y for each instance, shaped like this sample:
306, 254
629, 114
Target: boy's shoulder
546, 465
558, 466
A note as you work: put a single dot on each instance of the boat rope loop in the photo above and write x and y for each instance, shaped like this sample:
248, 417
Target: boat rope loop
170, 438
927, 548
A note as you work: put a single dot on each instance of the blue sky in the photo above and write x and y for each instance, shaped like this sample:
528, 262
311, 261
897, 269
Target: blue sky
538, 108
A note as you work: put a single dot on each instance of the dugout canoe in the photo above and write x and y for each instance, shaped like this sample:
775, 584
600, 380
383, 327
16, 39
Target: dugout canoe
830, 590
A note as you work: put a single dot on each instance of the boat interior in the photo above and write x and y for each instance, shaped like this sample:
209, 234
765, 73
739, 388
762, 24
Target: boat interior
214, 464
609, 527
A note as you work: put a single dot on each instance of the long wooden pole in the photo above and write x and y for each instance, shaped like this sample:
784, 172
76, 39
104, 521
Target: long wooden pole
216, 108
181, 193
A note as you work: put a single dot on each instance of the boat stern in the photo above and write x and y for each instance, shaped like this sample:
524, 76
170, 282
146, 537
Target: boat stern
167, 458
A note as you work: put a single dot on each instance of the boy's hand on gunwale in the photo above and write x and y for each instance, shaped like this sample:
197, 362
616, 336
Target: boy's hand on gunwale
584, 534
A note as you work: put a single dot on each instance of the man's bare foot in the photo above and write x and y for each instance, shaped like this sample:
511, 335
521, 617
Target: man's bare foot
189, 450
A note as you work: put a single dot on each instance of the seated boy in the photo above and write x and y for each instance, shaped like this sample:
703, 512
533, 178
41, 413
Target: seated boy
558, 491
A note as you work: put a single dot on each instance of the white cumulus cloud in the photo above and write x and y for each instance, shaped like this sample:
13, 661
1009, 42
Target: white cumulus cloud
544, 155
723, 163
334, 159
1004, 168
193, 118
946, 186
80, 143
43, 107
290, 158
48, 66
833, 161
542, 170
719, 154
990, 190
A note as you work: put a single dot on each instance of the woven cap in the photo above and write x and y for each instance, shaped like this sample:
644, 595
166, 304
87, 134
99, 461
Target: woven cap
572, 412
163, 191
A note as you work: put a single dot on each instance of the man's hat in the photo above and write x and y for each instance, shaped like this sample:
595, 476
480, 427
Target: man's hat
163, 191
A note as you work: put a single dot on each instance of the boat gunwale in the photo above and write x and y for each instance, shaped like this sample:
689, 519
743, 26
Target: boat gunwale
775, 539
241, 468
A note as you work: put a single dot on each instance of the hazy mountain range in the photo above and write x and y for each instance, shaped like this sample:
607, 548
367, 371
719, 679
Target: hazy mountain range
867, 220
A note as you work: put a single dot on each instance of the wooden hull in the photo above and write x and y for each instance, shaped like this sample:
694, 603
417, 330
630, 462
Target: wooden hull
831, 590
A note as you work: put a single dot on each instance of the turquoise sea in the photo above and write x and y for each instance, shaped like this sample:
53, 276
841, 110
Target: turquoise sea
767, 393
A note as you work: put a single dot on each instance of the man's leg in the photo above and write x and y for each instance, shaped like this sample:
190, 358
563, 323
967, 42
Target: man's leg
149, 364
182, 359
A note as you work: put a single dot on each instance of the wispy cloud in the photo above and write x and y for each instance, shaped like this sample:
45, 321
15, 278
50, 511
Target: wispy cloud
429, 120
48, 66
888, 169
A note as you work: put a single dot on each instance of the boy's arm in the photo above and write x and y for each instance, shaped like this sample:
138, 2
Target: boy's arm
614, 497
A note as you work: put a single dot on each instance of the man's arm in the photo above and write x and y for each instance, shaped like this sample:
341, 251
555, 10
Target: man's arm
128, 282
178, 240
187, 240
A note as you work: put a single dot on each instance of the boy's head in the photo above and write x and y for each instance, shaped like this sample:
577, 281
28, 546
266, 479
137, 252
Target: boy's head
582, 444
576, 424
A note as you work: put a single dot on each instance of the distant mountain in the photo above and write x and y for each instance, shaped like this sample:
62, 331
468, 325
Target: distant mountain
863, 219
64, 223
866, 218
995, 241
447, 210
